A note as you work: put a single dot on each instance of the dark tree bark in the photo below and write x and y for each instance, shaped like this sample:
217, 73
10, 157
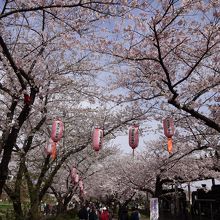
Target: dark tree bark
11, 138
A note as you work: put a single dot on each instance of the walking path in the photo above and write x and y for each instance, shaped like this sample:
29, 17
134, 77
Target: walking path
170, 217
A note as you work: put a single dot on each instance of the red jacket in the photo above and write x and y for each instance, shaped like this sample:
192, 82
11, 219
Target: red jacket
104, 215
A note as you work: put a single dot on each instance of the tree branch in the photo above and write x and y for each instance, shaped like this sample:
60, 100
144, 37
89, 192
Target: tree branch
12, 63
80, 4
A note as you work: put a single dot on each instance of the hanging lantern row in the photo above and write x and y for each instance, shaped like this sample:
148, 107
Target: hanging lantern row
133, 132
55, 137
98, 134
168, 126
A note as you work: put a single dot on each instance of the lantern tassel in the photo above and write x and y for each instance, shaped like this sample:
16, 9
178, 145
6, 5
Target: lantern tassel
133, 153
54, 150
170, 145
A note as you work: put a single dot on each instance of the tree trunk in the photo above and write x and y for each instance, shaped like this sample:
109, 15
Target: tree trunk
34, 213
15, 197
18, 210
6, 157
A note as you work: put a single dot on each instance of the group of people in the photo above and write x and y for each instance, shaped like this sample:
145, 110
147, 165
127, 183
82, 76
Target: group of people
123, 213
91, 213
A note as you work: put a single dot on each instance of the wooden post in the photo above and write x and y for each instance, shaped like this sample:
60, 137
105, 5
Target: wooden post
211, 210
176, 199
189, 193
213, 181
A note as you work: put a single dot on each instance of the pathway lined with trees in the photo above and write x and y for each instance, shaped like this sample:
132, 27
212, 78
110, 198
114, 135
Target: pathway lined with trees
107, 65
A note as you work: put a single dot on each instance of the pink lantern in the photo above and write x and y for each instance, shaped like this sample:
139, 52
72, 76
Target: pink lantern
73, 174
81, 186
168, 126
97, 139
77, 178
134, 136
57, 130
56, 135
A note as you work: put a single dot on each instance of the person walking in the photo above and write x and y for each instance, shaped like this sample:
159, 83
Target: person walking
104, 214
93, 214
135, 215
123, 213
83, 213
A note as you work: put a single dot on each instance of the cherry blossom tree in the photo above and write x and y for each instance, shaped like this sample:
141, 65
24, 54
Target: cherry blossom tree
40, 53
87, 163
166, 56
151, 172
46, 72
39, 170
163, 59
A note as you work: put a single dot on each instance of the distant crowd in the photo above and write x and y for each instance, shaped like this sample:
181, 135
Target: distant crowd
93, 211
104, 213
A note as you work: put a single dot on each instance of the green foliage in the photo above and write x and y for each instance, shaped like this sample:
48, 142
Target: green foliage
5, 205
6, 211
